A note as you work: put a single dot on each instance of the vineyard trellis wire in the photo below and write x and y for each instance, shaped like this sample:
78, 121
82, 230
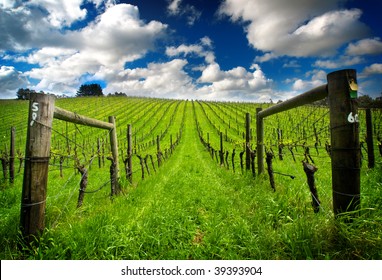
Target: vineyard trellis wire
37, 156
40, 114
341, 91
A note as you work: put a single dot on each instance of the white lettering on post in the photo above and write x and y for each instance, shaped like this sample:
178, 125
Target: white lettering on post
34, 112
352, 118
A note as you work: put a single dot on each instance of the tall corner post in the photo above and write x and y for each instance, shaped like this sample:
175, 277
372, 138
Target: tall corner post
37, 154
345, 146
260, 141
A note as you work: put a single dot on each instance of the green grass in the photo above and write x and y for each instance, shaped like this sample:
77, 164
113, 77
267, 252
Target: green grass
194, 209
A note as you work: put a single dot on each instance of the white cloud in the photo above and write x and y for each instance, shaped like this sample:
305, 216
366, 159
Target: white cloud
10, 81
266, 57
314, 79
234, 83
9, 4
292, 64
295, 27
47, 55
157, 79
117, 36
184, 49
365, 47
211, 73
174, 7
177, 8
201, 50
61, 12
206, 41
170, 80
373, 69
342, 61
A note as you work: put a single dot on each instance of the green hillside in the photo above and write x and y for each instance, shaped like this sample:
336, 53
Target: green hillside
193, 206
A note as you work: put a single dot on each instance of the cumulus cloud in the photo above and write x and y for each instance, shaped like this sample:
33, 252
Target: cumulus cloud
157, 79
266, 57
10, 81
185, 50
365, 47
201, 50
235, 82
295, 28
116, 37
177, 8
38, 23
313, 79
292, 64
342, 61
375, 68
62, 12
174, 7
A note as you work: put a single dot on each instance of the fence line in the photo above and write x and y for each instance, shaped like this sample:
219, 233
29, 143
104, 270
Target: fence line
341, 91
42, 110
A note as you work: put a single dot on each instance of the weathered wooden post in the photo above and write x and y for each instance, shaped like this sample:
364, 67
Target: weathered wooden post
37, 153
312, 95
12, 153
369, 139
345, 146
260, 141
269, 159
221, 152
83, 183
159, 152
309, 170
114, 151
247, 141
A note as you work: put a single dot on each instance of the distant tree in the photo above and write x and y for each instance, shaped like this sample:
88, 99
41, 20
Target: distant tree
24, 93
117, 94
90, 90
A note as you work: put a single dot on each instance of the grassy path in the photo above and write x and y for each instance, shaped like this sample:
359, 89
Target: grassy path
193, 209
190, 209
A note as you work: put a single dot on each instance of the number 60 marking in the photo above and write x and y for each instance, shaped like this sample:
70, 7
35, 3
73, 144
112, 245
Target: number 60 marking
351, 118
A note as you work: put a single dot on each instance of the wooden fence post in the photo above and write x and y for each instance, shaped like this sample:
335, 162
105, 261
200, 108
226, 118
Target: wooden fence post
260, 141
114, 151
269, 159
345, 146
369, 139
247, 141
159, 152
309, 170
12, 156
37, 153
307, 97
221, 152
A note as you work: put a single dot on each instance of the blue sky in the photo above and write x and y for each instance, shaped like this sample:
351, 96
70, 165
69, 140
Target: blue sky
240, 50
